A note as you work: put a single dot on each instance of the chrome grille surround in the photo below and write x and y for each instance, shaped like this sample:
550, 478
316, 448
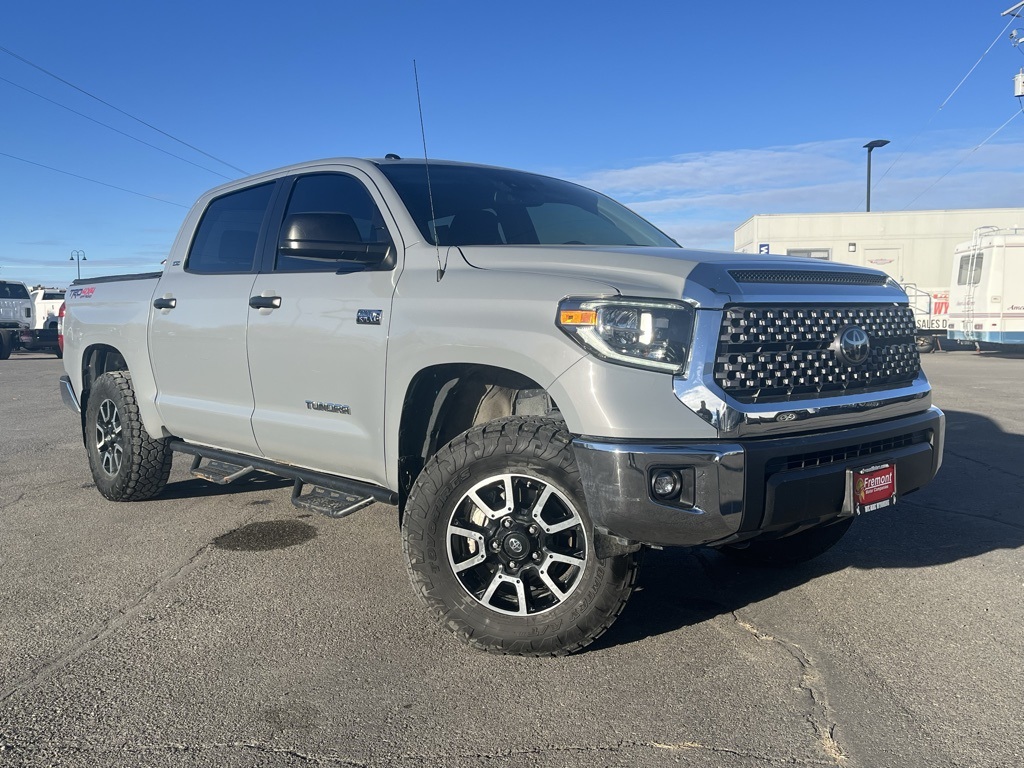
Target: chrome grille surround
781, 354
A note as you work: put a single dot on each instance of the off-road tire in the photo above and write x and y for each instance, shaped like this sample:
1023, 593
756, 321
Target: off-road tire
530, 459
127, 464
791, 550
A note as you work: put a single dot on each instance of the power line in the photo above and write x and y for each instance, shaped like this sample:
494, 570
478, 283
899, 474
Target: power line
943, 104
991, 46
112, 128
118, 109
94, 181
1014, 116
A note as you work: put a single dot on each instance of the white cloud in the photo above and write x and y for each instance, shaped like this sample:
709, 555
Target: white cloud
701, 198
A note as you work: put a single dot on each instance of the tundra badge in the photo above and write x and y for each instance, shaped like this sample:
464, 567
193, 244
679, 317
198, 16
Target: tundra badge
313, 405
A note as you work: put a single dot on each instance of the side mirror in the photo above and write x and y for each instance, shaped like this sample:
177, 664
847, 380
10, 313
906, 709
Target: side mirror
328, 237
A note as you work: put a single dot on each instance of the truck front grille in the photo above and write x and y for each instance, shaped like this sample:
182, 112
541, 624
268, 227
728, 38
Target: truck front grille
779, 354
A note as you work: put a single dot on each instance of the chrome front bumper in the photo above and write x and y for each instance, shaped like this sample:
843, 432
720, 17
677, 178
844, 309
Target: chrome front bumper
743, 489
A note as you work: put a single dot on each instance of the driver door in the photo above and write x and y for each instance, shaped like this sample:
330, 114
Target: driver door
318, 328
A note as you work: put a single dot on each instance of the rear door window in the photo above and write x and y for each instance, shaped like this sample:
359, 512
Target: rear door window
229, 231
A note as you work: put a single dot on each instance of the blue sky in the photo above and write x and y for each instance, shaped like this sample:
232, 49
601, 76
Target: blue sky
697, 115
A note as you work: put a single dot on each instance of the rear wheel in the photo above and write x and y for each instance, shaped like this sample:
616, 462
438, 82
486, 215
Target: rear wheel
127, 464
500, 546
791, 550
6, 346
925, 344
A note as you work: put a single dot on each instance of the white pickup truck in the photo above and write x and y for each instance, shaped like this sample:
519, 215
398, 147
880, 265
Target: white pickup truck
539, 380
42, 335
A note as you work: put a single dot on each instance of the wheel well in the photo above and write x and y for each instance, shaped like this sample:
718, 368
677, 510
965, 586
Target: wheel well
96, 361
444, 401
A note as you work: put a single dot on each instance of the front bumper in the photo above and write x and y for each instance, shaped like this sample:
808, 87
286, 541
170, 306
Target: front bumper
742, 489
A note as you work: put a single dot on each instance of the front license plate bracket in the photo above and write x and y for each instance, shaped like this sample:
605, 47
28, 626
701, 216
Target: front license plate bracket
870, 488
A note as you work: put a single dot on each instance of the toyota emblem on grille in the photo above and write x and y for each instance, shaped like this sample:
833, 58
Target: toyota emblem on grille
852, 345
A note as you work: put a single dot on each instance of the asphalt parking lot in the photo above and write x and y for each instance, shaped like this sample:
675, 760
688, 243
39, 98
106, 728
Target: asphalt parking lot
220, 626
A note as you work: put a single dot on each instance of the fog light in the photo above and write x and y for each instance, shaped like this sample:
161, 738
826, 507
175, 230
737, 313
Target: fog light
666, 484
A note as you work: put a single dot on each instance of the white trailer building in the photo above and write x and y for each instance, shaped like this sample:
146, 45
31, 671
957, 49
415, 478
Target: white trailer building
915, 247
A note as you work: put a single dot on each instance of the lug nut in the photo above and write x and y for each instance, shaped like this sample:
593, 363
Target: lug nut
495, 546
507, 522
532, 529
536, 556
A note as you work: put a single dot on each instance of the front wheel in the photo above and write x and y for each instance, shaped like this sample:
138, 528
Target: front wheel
127, 464
500, 546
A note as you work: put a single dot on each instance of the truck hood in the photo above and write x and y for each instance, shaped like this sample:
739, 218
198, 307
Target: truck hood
712, 279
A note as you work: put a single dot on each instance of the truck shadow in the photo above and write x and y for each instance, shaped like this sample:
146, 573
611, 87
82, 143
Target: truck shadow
971, 508
196, 487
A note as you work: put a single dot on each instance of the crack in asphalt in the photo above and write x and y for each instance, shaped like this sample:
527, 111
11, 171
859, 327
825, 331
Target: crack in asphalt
112, 623
427, 758
1008, 473
820, 718
12, 502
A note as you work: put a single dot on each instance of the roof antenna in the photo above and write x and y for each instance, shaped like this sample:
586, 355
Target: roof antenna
426, 166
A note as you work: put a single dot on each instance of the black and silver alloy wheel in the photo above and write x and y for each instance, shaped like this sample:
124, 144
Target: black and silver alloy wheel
517, 544
500, 547
109, 438
127, 464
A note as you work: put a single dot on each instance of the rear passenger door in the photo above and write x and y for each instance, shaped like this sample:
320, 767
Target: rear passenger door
317, 333
198, 325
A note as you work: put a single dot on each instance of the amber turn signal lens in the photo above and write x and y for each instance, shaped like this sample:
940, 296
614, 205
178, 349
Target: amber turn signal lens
577, 317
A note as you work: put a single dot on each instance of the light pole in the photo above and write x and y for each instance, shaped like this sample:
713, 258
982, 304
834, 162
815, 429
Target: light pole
78, 257
869, 146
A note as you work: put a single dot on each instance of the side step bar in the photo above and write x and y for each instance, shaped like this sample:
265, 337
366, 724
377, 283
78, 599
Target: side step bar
329, 495
220, 472
328, 502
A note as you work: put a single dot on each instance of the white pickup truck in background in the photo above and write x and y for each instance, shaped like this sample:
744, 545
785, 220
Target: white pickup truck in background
15, 315
41, 335
541, 382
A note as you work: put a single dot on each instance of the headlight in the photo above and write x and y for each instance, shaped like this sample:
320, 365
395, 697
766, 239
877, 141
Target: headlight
644, 333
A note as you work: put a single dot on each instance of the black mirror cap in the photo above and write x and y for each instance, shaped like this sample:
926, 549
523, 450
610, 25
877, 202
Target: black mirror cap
330, 237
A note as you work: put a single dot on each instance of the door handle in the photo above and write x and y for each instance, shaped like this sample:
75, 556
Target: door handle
165, 303
265, 302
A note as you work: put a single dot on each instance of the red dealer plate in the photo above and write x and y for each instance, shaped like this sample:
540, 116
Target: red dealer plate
874, 487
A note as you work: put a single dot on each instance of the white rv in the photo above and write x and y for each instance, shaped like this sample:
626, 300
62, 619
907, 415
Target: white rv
986, 293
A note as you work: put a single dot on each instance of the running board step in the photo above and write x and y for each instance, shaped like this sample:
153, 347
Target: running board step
329, 502
219, 472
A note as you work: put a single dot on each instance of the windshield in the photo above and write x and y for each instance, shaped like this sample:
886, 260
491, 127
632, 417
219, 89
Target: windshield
473, 205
